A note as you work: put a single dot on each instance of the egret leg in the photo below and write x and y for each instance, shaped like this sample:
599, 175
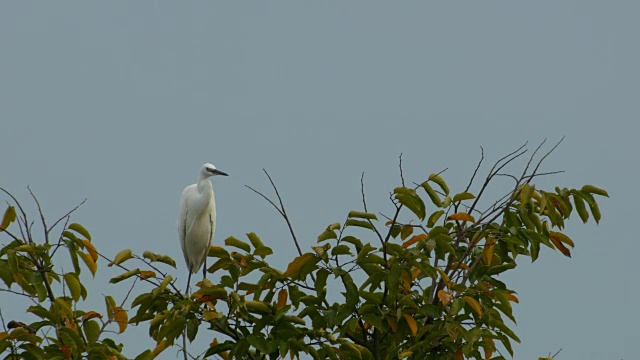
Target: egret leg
204, 268
188, 282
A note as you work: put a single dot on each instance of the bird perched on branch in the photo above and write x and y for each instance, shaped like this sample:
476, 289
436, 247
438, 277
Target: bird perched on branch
197, 220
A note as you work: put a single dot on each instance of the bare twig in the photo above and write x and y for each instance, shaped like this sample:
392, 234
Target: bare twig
400, 166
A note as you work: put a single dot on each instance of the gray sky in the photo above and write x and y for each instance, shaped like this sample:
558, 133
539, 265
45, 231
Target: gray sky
121, 102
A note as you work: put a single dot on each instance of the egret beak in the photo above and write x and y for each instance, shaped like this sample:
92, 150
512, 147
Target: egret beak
218, 172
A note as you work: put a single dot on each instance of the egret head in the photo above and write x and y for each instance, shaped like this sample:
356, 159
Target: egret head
210, 170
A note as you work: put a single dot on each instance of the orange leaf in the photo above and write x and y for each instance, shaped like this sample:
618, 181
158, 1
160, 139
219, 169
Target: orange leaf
461, 216
458, 355
214, 342
412, 323
367, 326
90, 315
562, 237
66, 351
145, 274
512, 297
282, 298
121, 317
201, 299
414, 239
559, 245
390, 222
91, 249
475, 305
296, 265
488, 349
445, 297
393, 324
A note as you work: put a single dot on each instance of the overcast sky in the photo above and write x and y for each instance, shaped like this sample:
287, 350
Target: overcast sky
122, 102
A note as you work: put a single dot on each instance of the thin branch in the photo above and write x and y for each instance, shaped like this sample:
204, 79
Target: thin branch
476, 170
66, 215
42, 220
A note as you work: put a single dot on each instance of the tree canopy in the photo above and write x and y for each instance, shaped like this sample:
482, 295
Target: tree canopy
422, 281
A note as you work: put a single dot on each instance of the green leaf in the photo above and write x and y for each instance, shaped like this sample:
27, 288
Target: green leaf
255, 240
91, 330
413, 202
433, 218
500, 268
121, 257
593, 205
354, 241
232, 241
80, 230
440, 181
124, 276
463, 196
351, 295
263, 251
326, 235
73, 283
362, 215
340, 250
594, 190
321, 280
578, 202
358, 223
435, 199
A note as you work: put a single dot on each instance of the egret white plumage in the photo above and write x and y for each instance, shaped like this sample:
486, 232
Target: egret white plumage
197, 220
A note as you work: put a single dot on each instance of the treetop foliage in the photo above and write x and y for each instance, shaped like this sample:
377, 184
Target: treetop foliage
371, 287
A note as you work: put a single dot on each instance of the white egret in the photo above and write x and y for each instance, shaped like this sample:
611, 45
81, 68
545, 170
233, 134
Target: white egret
197, 220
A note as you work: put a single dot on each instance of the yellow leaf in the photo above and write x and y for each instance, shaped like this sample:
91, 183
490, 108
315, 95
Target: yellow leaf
445, 277
282, 298
475, 305
445, 297
414, 239
214, 342
145, 274
393, 324
412, 323
461, 216
121, 317
209, 315
160, 347
88, 260
121, 257
297, 264
8, 217
487, 252
91, 249
90, 315
405, 281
